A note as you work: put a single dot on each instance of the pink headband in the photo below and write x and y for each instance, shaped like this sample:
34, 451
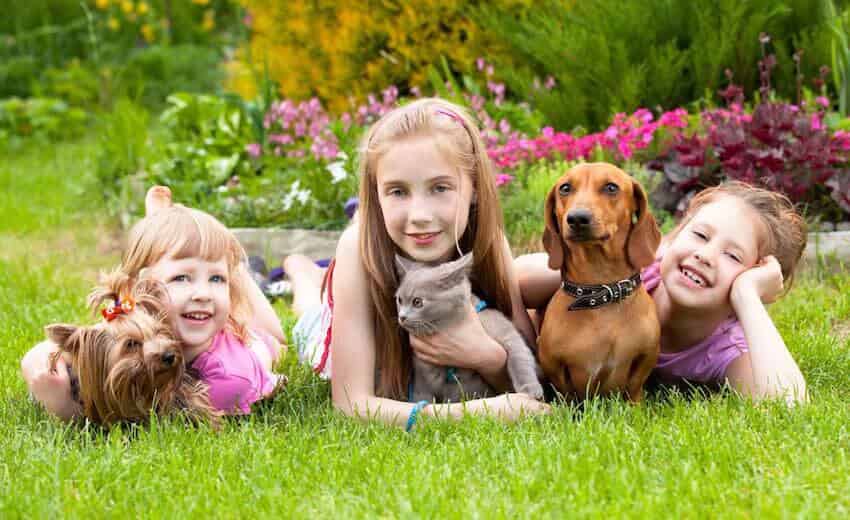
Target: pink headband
451, 115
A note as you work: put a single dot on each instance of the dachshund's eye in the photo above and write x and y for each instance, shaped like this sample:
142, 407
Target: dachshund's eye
565, 188
417, 302
611, 188
133, 345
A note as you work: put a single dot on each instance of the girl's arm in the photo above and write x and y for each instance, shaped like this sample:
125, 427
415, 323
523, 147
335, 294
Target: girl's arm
353, 354
265, 319
768, 370
51, 389
537, 283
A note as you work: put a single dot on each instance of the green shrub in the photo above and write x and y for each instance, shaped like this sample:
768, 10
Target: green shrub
39, 118
150, 74
612, 57
125, 149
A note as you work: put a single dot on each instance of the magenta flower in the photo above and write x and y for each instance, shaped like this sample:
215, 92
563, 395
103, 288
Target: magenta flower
254, 150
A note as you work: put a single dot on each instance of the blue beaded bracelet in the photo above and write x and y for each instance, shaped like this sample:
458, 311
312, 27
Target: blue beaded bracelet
411, 419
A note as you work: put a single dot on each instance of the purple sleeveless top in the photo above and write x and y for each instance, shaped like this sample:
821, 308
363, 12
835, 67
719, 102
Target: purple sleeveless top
705, 362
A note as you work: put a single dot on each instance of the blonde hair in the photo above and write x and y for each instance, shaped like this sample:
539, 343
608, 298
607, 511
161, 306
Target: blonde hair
188, 233
785, 229
458, 139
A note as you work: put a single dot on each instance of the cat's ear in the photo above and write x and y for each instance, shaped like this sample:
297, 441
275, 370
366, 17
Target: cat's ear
402, 266
465, 263
454, 272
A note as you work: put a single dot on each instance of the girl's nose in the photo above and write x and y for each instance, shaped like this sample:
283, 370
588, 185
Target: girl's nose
420, 212
201, 291
704, 255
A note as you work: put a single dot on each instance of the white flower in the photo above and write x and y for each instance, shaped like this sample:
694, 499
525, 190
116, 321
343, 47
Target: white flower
337, 170
295, 193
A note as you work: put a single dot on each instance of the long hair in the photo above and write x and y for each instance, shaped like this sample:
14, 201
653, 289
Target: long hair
458, 139
785, 229
186, 233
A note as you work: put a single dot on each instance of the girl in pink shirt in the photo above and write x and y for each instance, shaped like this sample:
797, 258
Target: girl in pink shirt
229, 333
734, 250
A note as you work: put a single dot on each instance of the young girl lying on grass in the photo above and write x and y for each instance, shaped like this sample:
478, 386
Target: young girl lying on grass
230, 335
735, 249
427, 193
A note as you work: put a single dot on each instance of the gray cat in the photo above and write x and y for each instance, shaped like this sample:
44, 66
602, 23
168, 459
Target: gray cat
430, 299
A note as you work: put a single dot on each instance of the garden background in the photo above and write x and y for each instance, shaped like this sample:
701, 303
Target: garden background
252, 110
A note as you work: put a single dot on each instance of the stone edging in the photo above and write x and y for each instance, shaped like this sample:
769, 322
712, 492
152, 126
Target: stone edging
274, 244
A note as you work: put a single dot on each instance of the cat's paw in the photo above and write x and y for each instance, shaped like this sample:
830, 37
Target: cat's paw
534, 390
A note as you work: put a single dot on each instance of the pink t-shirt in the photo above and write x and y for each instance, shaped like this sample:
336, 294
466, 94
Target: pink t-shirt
234, 374
705, 362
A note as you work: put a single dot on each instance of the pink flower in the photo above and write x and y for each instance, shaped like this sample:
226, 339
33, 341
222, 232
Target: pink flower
480, 63
822, 101
549, 84
502, 179
254, 150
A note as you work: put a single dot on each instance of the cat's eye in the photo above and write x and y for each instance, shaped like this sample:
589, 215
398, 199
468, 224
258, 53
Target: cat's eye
417, 302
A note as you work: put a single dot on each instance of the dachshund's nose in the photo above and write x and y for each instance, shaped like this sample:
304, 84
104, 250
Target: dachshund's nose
168, 358
579, 218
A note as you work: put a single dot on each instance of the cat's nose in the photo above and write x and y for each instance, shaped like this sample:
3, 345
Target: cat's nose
402, 319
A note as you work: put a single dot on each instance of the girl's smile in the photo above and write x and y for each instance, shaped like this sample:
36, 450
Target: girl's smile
720, 242
424, 199
199, 294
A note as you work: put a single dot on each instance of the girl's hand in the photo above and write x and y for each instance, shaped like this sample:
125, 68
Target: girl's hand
764, 279
511, 407
464, 345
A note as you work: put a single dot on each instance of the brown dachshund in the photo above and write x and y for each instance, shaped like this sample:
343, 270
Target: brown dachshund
600, 333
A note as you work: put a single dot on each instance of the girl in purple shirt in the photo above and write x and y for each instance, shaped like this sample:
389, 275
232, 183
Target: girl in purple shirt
734, 250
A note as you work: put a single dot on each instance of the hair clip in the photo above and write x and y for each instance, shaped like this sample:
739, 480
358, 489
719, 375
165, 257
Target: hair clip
450, 114
117, 308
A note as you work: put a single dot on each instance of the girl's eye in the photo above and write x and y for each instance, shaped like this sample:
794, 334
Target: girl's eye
133, 345
417, 302
565, 188
217, 279
611, 188
396, 192
180, 278
441, 188
700, 235
734, 257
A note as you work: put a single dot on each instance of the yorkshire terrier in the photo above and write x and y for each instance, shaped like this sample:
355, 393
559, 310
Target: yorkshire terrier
129, 365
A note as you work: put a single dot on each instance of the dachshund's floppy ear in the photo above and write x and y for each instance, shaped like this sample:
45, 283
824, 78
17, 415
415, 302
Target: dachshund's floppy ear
644, 236
553, 243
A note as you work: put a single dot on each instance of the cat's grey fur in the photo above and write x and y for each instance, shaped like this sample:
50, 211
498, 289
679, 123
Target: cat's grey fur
430, 299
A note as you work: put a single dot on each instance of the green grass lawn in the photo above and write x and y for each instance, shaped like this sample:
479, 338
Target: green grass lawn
295, 457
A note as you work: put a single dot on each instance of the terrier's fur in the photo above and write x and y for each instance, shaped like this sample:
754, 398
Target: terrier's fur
131, 366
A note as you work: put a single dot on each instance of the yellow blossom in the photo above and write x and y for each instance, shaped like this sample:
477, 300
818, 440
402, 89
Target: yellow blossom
142, 7
113, 23
101, 4
209, 20
200, 2
147, 32
127, 6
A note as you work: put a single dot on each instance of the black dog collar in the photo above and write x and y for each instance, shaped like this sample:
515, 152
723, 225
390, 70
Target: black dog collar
593, 296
